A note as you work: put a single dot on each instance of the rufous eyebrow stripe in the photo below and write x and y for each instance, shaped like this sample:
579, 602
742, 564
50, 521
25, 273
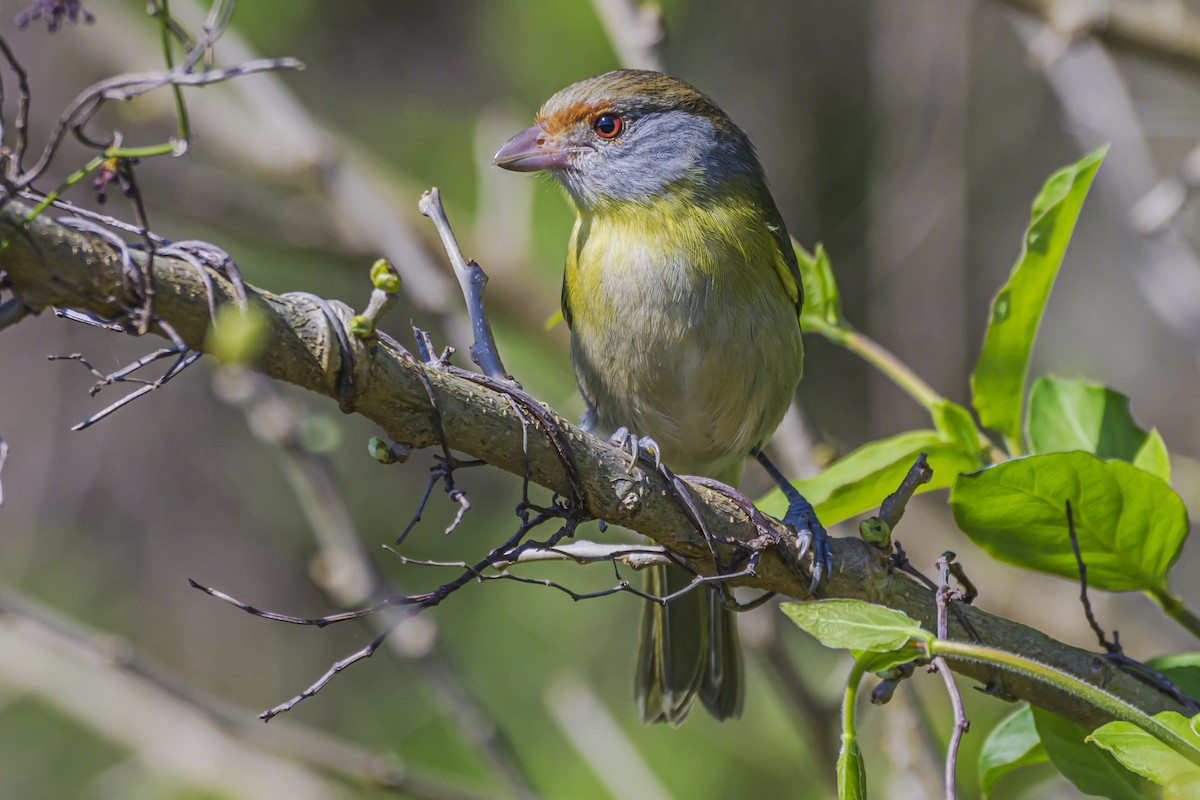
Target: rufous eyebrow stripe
568, 116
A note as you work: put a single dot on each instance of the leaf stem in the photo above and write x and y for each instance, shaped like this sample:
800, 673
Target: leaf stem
1094, 695
896, 370
849, 731
879, 357
1176, 610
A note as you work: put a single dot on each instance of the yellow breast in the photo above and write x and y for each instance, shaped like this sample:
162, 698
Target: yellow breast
684, 328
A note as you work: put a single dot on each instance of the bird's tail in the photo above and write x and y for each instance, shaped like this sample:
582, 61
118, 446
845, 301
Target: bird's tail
689, 647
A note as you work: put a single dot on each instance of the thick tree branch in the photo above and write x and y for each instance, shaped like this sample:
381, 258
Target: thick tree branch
51, 265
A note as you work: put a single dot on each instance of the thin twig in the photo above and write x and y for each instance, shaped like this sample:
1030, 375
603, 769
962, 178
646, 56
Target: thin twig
1113, 650
893, 506
127, 87
1083, 593
584, 552
961, 725
353, 578
472, 280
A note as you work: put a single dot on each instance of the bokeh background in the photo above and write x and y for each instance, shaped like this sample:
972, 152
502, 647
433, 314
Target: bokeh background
909, 136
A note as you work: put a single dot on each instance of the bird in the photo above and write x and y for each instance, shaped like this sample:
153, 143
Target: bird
682, 294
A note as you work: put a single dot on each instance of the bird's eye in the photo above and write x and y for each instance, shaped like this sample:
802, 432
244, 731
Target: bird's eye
608, 126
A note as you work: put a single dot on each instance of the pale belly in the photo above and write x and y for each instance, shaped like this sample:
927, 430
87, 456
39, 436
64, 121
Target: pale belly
708, 374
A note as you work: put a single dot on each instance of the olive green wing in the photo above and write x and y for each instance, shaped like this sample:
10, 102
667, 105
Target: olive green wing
786, 266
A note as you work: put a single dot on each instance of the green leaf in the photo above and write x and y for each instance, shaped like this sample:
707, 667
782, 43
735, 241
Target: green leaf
1012, 744
1147, 755
1080, 415
851, 771
955, 425
855, 624
1091, 770
862, 479
998, 383
821, 302
1181, 669
1130, 525
1152, 456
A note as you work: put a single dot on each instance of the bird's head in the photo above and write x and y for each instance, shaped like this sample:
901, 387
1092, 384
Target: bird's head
632, 135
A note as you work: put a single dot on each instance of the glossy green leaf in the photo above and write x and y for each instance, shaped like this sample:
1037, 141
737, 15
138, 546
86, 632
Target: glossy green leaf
998, 383
855, 624
1148, 756
851, 771
1090, 769
1152, 456
860, 480
1080, 415
1130, 525
822, 305
1012, 744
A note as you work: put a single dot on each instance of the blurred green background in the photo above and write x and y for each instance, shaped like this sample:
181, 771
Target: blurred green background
907, 135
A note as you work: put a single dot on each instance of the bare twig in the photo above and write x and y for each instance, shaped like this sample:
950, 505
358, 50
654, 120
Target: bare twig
893, 506
961, 725
583, 552
1083, 595
1113, 649
127, 87
472, 280
184, 358
350, 577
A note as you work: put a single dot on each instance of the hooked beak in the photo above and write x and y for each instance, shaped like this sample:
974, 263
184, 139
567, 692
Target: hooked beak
530, 151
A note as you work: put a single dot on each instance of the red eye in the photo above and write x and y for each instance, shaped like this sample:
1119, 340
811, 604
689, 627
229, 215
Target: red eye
608, 126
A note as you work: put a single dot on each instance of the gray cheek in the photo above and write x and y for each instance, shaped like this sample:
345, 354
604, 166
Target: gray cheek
660, 150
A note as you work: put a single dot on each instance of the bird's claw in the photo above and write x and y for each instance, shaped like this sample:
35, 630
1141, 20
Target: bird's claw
638, 448
810, 534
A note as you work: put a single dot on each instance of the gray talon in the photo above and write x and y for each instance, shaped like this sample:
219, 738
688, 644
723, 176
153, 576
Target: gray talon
638, 448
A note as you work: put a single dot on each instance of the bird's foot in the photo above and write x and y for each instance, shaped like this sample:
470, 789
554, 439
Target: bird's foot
810, 534
802, 518
638, 448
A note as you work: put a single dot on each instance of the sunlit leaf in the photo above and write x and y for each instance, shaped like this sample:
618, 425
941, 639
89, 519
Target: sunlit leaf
821, 301
1130, 525
1142, 752
1152, 456
855, 624
1081, 415
998, 383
